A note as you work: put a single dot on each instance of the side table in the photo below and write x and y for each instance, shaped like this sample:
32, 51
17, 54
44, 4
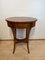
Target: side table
21, 23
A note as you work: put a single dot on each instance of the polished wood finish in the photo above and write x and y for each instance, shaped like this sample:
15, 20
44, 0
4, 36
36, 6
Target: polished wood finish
21, 23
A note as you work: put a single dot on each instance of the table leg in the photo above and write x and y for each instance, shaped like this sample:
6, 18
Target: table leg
14, 35
27, 38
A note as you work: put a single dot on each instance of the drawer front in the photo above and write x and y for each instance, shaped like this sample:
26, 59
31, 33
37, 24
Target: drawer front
22, 25
18, 25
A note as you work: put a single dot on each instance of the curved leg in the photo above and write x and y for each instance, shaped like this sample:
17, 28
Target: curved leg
14, 35
27, 38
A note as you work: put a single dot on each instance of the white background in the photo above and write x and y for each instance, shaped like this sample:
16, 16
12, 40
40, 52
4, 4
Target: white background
30, 8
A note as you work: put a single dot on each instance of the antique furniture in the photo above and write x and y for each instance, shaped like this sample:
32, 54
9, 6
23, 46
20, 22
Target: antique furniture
21, 23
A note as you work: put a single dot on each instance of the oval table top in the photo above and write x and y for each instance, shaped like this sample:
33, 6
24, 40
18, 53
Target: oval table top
21, 19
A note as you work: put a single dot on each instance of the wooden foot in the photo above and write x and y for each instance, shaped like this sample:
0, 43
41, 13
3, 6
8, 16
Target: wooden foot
14, 47
14, 35
27, 38
28, 47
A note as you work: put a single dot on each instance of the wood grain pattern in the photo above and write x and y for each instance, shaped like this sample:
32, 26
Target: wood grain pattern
21, 19
37, 50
